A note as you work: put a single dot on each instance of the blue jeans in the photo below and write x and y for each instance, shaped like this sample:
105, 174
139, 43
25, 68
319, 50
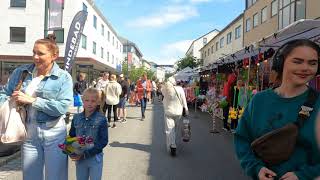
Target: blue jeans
143, 102
91, 167
40, 150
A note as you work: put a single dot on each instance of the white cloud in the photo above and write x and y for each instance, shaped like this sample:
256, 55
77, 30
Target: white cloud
165, 17
170, 53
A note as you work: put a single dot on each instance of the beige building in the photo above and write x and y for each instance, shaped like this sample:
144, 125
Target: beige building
265, 17
228, 41
196, 45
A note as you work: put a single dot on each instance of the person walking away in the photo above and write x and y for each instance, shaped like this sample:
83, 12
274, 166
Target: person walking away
113, 91
297, 63
123, 98
143, 91
47, 95
154, 90
173, 103
90, 123
79, 87
101, 85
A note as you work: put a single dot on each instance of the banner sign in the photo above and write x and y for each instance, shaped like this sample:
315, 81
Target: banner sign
55, 14
73, 39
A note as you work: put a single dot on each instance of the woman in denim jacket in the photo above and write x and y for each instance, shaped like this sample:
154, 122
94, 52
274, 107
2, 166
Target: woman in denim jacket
90, 123
46, 93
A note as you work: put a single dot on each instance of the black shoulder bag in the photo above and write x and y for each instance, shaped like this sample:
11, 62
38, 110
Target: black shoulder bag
278, 145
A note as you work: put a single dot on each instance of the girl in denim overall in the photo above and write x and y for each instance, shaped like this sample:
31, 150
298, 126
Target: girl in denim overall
90, 123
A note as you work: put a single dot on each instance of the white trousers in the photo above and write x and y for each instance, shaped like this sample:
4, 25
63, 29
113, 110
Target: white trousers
171, 128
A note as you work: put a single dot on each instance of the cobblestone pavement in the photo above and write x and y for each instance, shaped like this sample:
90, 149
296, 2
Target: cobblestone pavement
136, 151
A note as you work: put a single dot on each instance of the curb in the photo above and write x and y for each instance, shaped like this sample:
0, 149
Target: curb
6, 159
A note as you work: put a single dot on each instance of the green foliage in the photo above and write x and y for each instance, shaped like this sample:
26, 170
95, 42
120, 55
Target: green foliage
189, 61
135, 73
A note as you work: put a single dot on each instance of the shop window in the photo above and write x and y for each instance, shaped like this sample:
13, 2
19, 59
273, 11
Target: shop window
17, 34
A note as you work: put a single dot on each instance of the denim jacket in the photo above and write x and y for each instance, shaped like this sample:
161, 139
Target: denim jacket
53, 95
95, 126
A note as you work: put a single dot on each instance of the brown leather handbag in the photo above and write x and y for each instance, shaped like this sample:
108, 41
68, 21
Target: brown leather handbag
278, 145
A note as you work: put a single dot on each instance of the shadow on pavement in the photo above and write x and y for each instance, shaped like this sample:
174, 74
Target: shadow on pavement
135, 146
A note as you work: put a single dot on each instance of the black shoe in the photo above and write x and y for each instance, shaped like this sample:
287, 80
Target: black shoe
173, 151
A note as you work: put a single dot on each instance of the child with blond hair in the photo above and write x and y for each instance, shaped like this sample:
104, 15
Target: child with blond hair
90, 123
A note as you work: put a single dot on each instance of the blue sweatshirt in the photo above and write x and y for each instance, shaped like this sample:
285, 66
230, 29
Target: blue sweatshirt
268, 111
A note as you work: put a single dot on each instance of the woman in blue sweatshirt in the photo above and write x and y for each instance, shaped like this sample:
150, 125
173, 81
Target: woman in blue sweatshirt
297, 63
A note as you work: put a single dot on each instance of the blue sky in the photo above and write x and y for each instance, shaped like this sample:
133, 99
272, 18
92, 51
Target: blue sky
164, 29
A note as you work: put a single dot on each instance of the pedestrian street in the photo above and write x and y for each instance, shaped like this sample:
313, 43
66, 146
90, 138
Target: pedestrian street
137, 151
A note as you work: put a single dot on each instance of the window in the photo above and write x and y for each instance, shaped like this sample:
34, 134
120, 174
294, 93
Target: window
238, 32
18, 3
84, 41
84, 7
102, 29
222, 42
59, 35
255, 20
17, 34
94, 48
94, 21
205, 54
102, 52
217, 46
291, 11
274, 8
109, 36
108, 58
254, 1
248, 25
113, 40
117, 45
112, 59
204, 41
264, 15
229, 37
211, 49
249, 3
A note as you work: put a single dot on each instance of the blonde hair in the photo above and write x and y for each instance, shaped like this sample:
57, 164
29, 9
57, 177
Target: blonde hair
92, 91
50, 43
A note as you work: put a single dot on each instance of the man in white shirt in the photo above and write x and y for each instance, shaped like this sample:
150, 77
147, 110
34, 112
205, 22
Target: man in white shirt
102, 83
154, 90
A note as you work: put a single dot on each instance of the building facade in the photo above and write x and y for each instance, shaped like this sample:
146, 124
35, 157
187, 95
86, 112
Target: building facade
131, 53
196, 45
25, 21
265, 17
229, 40
146, 65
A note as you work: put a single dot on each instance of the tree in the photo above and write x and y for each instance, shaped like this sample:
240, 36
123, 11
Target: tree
135, 73
189, 61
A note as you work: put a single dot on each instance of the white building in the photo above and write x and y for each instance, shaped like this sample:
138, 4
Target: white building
146, 65
228, 41
196, 45
23, 22
160, 74
131, 52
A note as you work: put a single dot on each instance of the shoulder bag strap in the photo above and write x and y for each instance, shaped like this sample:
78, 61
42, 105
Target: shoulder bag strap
307, 107
178, 96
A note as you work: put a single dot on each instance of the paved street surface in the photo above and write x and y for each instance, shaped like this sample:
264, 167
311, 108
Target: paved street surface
137, 151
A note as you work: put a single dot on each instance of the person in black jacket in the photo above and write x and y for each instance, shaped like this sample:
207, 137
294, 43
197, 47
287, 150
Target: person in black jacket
123, 98
81, 84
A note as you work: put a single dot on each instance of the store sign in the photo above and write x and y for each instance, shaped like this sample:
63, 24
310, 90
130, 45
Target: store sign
73, 39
